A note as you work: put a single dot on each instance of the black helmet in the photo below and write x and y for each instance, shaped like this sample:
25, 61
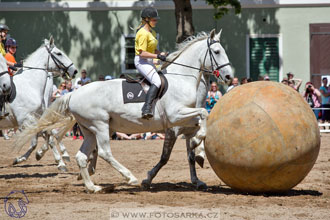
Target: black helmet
4, 27
11, 42
149, 12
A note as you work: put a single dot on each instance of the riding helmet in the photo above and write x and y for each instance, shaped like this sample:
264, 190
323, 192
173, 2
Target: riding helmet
11, 42
149, 12
4, 27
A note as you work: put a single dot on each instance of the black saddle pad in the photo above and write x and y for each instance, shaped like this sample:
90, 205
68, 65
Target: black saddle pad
10, 98
133, 92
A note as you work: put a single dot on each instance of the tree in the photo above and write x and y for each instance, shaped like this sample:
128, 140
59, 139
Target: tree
183, 15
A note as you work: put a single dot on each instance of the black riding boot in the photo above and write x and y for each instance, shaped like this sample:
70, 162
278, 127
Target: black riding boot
147, 107
3, 112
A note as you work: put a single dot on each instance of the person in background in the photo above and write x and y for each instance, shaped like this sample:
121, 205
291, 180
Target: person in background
101, 78
244, 80
108, 77
325, 95
266, 78
68, 88
212, 97
233, 84
312, 96
296, 83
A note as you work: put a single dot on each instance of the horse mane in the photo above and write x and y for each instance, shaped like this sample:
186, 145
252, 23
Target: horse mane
181, 47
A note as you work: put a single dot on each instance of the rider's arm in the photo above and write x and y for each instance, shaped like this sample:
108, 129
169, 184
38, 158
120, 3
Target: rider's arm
146, 55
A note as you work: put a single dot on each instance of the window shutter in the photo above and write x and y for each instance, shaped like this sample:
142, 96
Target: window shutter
264, 58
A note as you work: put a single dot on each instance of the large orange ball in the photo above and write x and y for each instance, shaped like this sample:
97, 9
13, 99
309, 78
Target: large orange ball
262, 137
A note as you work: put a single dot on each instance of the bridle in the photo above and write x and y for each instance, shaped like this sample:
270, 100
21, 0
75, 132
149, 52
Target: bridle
213, 60
3, 73
63, 69
214, 71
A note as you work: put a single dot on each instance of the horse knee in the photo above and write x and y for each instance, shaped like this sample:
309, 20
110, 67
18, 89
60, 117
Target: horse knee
81, 159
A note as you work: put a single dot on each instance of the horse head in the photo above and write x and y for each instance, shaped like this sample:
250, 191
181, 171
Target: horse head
5, 82
217, 59
59, 62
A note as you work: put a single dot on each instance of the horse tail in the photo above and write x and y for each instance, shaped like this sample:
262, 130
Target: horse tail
56, 116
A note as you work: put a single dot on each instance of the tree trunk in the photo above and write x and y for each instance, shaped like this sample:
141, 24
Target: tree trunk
184, 23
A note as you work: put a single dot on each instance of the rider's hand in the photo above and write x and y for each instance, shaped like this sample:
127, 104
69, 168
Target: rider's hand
18, 65
161, 57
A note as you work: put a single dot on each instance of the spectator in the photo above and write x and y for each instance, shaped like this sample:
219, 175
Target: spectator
266, 78
83, 79
285, 81
212, 97
154, 136
233, 84
68, 88
57, 93
101, 78
296, 83
312, 97
249, 80
244, 80
108, 77
123, 136
325, 94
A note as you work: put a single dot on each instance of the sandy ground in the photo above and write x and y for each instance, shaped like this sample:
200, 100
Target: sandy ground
56, 195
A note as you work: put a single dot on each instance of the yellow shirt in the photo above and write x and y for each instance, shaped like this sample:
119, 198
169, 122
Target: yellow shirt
2, 49
145, 41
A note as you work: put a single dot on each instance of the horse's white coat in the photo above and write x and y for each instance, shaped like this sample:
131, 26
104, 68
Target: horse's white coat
98, 107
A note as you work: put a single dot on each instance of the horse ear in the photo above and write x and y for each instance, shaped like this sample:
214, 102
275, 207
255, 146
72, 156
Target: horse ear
212, 34
217, 37
51, 41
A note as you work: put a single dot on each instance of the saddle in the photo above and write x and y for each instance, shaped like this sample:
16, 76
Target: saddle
135, 89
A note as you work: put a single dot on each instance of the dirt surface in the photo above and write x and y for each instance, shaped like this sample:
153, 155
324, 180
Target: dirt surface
56, 195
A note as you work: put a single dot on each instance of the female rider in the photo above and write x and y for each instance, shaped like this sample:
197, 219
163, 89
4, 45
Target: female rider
145, 51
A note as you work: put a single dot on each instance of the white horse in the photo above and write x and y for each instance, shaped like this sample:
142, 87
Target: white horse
103, 109
5, 81
33, 91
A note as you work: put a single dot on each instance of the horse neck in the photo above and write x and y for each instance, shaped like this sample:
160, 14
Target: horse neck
38, 59
192, 56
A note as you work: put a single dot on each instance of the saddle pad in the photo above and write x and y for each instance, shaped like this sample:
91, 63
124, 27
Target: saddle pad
10, 98
133, 92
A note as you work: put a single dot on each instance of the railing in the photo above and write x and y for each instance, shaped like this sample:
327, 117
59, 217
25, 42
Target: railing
325, 125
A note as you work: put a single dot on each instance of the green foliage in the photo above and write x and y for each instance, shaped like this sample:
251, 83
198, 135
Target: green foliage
221, 7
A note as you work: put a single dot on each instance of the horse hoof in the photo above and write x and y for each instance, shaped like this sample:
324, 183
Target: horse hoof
66, 158
16, 161
199, 160
79, 177
133, 182
201, 186
38, 156
62, 168
145, 184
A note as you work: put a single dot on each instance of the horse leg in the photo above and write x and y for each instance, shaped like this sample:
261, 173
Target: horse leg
200, 154
193, 175
170, 139
104, 151
44, 148
58, 159
25, 156
65, 155
92, 163
82, 159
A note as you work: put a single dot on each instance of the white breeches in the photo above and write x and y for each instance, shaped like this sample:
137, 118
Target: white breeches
148, 70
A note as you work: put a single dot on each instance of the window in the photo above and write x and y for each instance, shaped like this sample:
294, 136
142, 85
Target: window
128, 54
264, 57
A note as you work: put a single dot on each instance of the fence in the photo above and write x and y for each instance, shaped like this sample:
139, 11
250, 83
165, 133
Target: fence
326, 126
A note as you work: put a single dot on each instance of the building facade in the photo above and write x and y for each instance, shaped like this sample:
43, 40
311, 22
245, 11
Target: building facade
269, 37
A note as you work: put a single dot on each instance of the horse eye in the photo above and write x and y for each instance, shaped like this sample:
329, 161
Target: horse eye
217, 52
59, 54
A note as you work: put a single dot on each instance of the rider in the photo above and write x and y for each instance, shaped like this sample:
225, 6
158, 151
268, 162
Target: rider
145, 51
3, 35
11, 46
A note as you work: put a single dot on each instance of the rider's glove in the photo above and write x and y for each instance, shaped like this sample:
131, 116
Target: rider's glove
18, 65
13, 68
161, 57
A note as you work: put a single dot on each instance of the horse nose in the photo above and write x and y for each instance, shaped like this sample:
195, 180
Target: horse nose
74, 73
228, 77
